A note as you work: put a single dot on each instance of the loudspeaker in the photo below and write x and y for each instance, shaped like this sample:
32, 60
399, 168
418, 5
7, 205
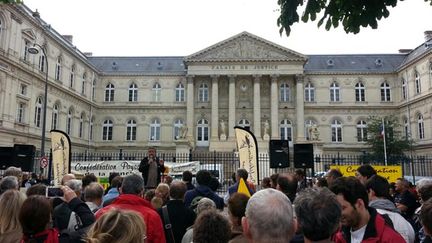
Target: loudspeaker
24, 156
6, 157
303, 155
279, 154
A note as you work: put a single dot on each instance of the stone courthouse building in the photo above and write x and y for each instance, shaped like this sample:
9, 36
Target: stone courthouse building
194, 101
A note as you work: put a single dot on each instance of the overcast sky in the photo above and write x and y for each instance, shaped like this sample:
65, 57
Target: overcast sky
183, 27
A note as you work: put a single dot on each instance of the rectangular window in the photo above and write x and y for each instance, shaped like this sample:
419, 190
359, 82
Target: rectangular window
20, 113
23, 89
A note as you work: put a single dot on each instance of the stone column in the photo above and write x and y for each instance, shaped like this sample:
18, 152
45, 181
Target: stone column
231, 107
190, 121
214, 109
274, 106
300, 108
257, 106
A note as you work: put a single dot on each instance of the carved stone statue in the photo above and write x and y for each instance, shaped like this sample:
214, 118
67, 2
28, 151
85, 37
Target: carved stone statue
222, 130
183, 131
266, 130
314, 132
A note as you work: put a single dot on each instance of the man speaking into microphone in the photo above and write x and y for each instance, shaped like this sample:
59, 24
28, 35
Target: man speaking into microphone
151, 168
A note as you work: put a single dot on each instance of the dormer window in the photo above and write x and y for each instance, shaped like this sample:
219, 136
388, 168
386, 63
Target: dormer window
378, 62
330, 62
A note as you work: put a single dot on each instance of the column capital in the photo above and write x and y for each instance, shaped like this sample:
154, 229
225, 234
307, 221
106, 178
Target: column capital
300, 78
231, 77
274, 77
257, 77
190, 78
215, 77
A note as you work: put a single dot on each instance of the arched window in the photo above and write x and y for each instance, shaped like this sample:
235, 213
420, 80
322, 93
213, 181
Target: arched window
417, 82
404, 89
91, 128
93, 89
83, 83
308, 125
406, 128
109, 93
361, 131
202, 133
420, 125
55, 116
336, 131
107, 130
38, 112
81, 126
284, 93
360, 92
131, 130
203, 93
309, 92
180, 93
155, 130
385, 92
69, 122
58, 69
72, 77
244, 123
156, 92
177, 128
133, 93
285, 130
334, 92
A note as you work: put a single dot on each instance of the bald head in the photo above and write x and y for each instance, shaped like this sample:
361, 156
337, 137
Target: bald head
67, 178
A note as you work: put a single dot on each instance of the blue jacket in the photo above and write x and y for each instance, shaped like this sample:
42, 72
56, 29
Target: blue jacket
112, 193
203, 191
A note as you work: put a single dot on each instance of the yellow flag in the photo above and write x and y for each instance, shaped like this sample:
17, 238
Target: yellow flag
242, 188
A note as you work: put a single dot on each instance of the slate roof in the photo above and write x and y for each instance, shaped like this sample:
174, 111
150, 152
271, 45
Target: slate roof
354, 63
418, 52
139, 65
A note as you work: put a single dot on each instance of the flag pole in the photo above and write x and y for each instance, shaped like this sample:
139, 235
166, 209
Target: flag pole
384, 139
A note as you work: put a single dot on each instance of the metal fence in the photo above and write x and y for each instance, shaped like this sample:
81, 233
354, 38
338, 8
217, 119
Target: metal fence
224, 164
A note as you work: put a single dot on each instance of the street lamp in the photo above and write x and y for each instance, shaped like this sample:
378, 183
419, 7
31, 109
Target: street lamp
34, 50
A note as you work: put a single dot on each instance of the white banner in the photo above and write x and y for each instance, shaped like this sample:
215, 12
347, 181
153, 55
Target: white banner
248, 152
61, 154
126, 167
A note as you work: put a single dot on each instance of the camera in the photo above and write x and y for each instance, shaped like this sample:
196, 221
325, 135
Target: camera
54, 192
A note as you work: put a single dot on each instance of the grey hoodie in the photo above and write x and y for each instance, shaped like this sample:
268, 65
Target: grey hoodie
384, 204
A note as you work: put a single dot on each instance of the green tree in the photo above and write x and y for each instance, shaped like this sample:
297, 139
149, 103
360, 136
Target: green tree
396, 142
350, 13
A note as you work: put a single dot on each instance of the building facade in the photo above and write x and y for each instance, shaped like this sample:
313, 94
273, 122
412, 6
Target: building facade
194, 102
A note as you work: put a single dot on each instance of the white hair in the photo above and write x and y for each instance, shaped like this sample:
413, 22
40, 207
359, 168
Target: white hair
270, 216
75, 185
423, 182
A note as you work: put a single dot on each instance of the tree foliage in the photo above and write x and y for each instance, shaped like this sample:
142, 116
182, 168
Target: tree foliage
352, 14
11, 1
396, 142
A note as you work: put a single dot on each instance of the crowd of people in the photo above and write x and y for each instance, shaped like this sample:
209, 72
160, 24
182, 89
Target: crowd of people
146, 208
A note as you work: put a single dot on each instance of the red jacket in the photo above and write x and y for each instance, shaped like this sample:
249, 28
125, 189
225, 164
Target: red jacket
155, 232
376, 231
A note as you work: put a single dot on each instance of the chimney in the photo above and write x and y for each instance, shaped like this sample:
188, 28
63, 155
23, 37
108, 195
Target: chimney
405, 51
68, 38
88, 54
428, 35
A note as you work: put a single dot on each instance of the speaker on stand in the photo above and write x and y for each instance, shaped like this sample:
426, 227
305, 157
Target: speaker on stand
303, 155
24, 156
279, 153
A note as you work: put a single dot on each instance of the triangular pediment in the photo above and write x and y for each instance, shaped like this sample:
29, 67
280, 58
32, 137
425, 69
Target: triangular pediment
29, 33
245, 47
